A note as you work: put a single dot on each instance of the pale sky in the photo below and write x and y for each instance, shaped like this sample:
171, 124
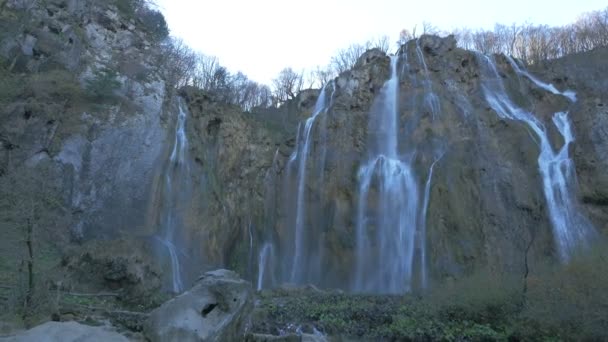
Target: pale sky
261, 37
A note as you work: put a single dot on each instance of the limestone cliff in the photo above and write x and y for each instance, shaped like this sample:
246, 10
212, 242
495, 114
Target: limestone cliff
487, 205
85, 94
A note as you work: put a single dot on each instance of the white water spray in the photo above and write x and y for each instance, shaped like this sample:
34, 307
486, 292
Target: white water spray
386, 227
175, 174
301, 155
571, 229
265, 264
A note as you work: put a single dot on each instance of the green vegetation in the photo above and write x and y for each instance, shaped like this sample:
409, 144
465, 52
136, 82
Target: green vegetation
55, 85
103, 85
31, 218
148, 19
561, 303
11, 86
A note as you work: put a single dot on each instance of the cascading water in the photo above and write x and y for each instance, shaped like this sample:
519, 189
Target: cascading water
548, 87
430, 99
388, 203
571, 229
175, 187
265, 265
422, 235
300, 156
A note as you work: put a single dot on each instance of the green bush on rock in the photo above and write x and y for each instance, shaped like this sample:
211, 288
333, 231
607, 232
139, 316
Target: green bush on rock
103, 85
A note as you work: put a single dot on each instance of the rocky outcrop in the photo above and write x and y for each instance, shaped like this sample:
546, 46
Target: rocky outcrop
217, 308
67, 332
107, 138
233, 150
487, 208
126, 267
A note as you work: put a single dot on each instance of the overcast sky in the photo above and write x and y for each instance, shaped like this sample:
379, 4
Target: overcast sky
261, 37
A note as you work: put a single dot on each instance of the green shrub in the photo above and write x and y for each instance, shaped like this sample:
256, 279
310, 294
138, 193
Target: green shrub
150, 20
11, 86
55, 85
154, 23
571, 300
482, 298
103, 85
127, 8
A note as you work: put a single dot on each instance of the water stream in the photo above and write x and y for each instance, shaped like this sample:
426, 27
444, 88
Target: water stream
571, 229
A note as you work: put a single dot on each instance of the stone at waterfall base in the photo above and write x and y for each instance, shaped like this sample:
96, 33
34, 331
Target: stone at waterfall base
217, 308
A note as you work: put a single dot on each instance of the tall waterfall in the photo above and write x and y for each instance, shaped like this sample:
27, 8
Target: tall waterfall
176, 188
388, 203
571, 229
300, 156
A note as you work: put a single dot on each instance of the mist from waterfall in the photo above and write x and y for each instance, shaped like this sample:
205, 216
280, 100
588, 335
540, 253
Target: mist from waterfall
571, 229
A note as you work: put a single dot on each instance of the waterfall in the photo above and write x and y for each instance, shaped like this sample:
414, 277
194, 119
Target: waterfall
303, 145
548, 87
175, 187
388, 203
571, 229
265, 262
431, 100
422, 237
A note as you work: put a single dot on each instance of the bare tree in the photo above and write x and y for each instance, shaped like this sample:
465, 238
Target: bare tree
206, 67
382, 43
537, 43
406, 35
346, 59
178, 62
322, 76
287, 85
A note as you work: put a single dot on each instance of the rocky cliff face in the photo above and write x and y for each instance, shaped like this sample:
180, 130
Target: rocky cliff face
83, 96
253, 203
108, 149
486, 204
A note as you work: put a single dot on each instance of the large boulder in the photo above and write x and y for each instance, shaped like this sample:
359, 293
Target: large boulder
67, 332
217, 308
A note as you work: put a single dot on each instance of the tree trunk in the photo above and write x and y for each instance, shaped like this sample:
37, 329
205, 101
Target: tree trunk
29, 232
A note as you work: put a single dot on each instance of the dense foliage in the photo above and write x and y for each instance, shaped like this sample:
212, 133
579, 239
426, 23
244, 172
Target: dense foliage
560, 303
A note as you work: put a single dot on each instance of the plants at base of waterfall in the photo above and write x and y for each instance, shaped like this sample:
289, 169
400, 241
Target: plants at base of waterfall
103, 85
570, 301
31, 211
484, 298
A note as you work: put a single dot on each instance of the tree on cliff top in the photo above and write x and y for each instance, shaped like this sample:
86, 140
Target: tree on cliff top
287, 85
